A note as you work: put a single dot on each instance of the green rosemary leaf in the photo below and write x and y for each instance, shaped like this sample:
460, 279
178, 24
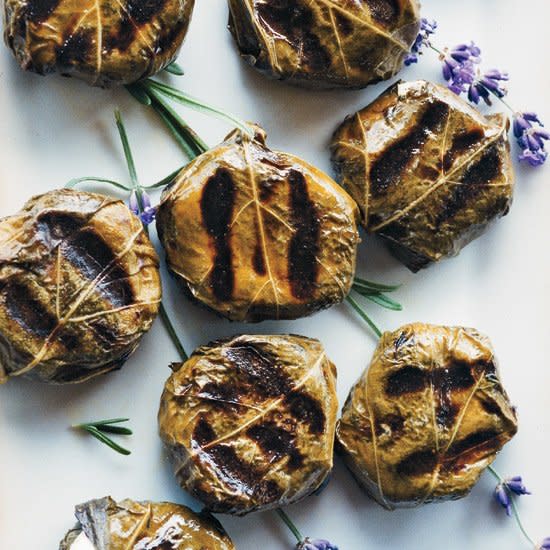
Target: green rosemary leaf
127, 150
76, 181
99, 428
104, 422
375, 286
119, 430
137, 92
165, 181
385, 302
194, 103
364, 316
174, 68
94, 432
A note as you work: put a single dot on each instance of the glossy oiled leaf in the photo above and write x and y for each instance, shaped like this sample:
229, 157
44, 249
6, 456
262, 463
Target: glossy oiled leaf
109, 525
428, 416
258, 234
101, 41
326, 43
79, 286
428, 171
249, 422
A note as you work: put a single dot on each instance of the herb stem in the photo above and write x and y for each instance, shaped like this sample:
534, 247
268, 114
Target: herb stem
127, 150
363, 315
513, 504
168, 325
290, 524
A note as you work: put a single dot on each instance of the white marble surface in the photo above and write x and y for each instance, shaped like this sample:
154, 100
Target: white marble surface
53, 129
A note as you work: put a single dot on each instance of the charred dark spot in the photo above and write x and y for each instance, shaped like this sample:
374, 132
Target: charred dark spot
388, 168
471, 449
219, 392
167, 38
406, 380
393, 422
27, 310
217, 203
122, 38
103, 330
69, 339
472, 184
259, 370
203, 433
92, 256
384, 11
344, 24
294, 22
490, 406
142, 11
461, 143
417, 464
304, 245
413, 260
40, 10
455, 377
240, 476
307, 409
275, 442
76, 48
258, 260
57, 226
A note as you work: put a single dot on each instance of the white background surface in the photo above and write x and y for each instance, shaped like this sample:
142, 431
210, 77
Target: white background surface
54, 129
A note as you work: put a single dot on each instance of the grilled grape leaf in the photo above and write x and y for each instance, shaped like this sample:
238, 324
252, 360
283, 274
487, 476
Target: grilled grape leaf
249, 422
428, 171
326, 43
79, 286
255, 234
101, 41
428, 416
109, 525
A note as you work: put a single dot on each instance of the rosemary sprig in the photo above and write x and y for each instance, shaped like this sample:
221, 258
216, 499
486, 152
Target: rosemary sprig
376, 293
101, 428
174, 69
139, 190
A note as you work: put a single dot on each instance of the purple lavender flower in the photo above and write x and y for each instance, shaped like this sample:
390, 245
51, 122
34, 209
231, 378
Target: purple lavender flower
502, 496
545, 544
149, 212
486, 84
427, 28
459, 66
515, 484
531, 136
318, 544
133, 203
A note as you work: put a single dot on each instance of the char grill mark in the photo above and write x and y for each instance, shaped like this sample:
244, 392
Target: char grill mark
461, 143
39, 10
76, 48
418, 463
472, 184
388, 168
142, 11
276, 442
304, 245
258, 370
294, 22
384, 11
91, 255
28, 311
217, 205
238, 475
57, 226
122, 38
306, 410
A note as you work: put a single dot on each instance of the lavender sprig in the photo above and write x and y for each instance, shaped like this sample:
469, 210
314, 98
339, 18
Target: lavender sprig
461, 70
505, 493
427, 28
304, 543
